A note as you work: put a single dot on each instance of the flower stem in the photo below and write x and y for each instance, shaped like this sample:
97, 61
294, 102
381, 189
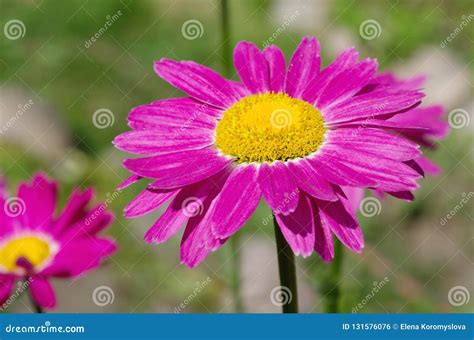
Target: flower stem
332, 286
286, 264
36, 307
226, 52
226, 56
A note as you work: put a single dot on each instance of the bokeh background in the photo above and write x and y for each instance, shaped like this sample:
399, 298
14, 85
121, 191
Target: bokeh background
54, 78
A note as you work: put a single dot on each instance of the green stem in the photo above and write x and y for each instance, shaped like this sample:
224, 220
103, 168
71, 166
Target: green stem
226, 56
226, 51
332, 287
36, 307
286, 265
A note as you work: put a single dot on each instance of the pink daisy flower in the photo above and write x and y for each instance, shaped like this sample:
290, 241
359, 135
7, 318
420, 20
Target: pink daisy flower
422, 125
294, 135
36, 244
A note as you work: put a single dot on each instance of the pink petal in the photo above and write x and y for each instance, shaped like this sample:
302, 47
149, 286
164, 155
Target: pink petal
278, 187
313, 91
6, 286
42, 292
303, 67
198, 82
277, 69
370, 105
236, 202
178, 169
128, 182
148, 200
155, 142
74, 211
80, 255
311, 181
252, 67
298, 227
347, 83
341, 221
177, 113
39, 200
373, 141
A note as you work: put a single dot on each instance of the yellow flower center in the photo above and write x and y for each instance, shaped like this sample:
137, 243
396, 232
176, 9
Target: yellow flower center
269, 127
35, 249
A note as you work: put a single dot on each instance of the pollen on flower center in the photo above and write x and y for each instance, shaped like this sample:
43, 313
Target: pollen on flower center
269, 127
34, 249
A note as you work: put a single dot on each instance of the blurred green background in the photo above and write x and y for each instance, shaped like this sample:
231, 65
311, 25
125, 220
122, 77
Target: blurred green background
65, 78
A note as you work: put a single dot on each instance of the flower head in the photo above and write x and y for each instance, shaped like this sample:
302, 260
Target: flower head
294, 135
37, 244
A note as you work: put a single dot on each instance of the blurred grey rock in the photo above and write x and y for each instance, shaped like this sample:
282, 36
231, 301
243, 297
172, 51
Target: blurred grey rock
25, 121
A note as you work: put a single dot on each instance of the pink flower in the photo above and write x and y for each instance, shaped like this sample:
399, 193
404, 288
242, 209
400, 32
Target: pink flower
293, 135
36, 244
422, 125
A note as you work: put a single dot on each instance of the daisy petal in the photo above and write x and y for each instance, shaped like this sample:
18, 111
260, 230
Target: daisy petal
313, 91
298, 227
303, 67
148, 200
347, 83
278, 187
6, 286
155, 142
178, 169
174, 112
336, 217
42, 292
252, 67
311, 182
277, 68
198, 81
372, 105
235, 203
